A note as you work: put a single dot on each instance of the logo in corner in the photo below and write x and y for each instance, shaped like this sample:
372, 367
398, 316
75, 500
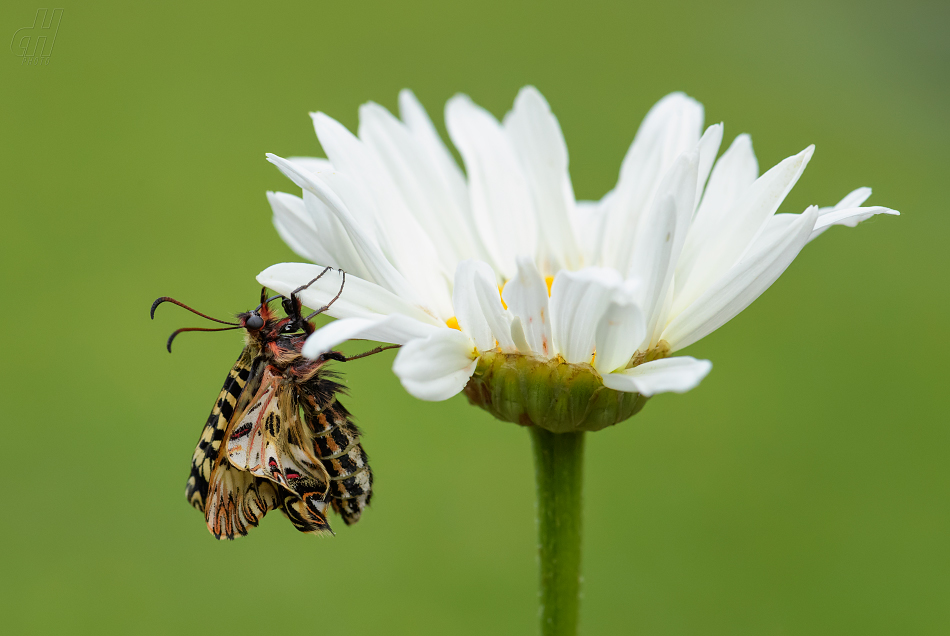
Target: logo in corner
34, 44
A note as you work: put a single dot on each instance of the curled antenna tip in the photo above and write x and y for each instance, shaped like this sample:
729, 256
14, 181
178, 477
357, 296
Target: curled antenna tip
184, 329
158, 301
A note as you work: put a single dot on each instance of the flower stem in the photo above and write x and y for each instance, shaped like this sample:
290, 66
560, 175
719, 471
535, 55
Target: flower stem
558, 469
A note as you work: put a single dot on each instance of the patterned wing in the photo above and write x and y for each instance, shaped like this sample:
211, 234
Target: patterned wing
265, 443
302, 514
335, 441
206, 453
237, 500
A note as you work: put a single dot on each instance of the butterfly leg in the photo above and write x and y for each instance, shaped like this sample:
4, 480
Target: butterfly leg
332, 300
368, 353
303, 287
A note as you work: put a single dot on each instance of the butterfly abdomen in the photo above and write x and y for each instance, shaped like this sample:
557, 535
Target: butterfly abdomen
337, 446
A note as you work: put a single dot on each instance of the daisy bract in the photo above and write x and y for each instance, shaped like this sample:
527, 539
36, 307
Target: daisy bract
497, 276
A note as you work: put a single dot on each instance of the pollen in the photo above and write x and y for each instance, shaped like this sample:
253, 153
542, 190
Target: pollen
549, 280
453, 322
500, 289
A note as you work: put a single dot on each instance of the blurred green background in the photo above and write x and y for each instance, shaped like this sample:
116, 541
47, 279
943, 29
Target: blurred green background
803, 488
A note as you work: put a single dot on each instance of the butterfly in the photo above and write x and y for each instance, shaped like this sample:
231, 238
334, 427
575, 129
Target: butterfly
278, 438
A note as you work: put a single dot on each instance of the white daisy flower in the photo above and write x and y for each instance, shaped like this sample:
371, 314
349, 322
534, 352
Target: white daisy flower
499, 272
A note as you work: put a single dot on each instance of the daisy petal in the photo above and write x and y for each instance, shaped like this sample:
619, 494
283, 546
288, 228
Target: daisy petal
589, 222
381, 270
708, 149
848, 217
620, 331
854, 199
359, 299
500, 199
395, 329
536, 137
847, 212
468, 309
578, 301
744, 282
438, 366
400, 235
672, 127
658, 242
717, 246
677, 375
518, 337
313, 164
527, 298
424, 132
419, 183
334, 238
490, 301
296, 228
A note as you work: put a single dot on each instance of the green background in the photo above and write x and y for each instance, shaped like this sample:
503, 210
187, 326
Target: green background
803, 488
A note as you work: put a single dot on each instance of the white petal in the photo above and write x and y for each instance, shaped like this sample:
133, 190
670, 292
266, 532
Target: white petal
441, 159
313, 164
501, 202
743, 283
527, 298
499, 321
295, 226
715, 246
468, 309
589, 222
672, 127
854, 199
436, 367
380, 269
518, 337
678, 375
659, 240
359, 299
419, 182
732, 175
848, 217
400, 235
536, 137
578, 301
620, 331
708, 149
395, 329
847, 212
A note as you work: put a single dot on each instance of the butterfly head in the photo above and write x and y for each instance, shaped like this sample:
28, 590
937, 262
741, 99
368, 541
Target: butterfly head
264, 324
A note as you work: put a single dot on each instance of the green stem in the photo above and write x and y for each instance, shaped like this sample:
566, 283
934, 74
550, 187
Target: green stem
558, 469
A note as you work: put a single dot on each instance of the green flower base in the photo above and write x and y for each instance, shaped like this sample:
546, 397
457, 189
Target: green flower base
552, 394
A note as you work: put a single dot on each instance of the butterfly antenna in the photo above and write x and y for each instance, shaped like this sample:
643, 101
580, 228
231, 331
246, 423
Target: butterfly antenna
166, 299
332, 300
178, 331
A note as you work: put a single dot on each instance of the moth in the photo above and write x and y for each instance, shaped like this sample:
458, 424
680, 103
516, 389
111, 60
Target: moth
278, 438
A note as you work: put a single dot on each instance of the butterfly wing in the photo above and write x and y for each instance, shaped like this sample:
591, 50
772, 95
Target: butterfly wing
303, 515
265, 442
237, 500
206, 453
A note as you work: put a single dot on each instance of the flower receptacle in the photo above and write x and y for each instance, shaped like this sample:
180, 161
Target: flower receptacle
553, 394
